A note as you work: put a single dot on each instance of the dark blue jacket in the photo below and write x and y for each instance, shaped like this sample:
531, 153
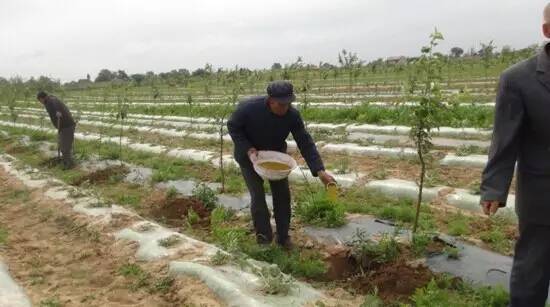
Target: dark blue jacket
254, 125
54, 105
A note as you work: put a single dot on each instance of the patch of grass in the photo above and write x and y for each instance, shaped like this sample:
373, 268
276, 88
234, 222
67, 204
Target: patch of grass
192, 217
50, 302
369, 252
220, 258
130, 270
496, 239
318, 210
420, 242
221, 215
459, 225
206, 195
448, 292
163, 285
297, 263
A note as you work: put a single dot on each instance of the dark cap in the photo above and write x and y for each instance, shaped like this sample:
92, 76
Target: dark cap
41, 94
281, 91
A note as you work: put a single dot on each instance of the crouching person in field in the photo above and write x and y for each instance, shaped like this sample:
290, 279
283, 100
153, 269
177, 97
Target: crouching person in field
264, 123
62, 120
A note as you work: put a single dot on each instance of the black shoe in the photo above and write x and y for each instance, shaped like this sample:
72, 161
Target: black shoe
285, 243
263, 239
68, 165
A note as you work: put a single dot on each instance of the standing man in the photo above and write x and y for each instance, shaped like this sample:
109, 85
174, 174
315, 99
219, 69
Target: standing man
522, 134
62, 120
264, 123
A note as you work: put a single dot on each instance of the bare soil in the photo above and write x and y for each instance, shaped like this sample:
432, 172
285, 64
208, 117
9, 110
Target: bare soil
56, 256
394, 282
174, 211
103, 175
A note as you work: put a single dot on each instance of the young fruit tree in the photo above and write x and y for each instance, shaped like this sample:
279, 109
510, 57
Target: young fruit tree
351, 65
221, 115
121, 114
427, 112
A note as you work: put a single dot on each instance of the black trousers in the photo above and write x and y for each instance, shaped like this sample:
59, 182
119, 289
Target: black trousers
531, 268
260, 213
65, 141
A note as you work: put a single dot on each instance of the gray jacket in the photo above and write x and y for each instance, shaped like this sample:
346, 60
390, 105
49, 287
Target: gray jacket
522, 134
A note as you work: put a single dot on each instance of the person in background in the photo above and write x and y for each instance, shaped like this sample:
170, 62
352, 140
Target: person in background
64, 123
264, 123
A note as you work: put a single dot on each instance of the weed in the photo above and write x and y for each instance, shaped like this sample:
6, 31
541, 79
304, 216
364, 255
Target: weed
130, 270
169, 241
221, 215
320, 211
220, 258
206, 195
369, 252
163, 285
192, 217
171, 193
50, 302
420, 242
459, 225
274, 281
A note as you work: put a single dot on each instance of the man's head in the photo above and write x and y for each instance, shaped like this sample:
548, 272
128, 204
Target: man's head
546, 21
280, 96
41, 96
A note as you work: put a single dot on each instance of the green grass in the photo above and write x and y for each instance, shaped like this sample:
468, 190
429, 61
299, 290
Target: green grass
459, 225
130, 270
367, 251
446, 292
401, 211
206, 195
298, 263
318, 210
51, 302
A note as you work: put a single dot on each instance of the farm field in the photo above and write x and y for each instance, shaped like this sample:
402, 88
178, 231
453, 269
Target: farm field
156, 212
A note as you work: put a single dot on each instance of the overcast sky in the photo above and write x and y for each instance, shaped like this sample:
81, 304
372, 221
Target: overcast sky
67, 39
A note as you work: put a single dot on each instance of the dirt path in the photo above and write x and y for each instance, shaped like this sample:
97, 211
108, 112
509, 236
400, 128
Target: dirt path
60, 261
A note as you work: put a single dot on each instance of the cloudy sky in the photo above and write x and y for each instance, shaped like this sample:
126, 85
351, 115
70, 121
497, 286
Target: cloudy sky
67, 39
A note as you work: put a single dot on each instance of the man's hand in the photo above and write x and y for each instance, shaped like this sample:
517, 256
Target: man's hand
490, 207
253, 155
325, 177
58, 114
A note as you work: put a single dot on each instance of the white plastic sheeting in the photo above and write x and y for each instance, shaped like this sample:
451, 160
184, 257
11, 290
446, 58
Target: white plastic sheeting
239, 288
405, 130
465, 161
11, 294
150, 249
403, 189
370, 151
459, 198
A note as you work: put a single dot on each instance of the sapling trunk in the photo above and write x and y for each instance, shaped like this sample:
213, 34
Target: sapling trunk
420, 187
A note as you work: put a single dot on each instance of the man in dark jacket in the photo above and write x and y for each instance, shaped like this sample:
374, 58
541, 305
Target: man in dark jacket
522, 134
62, 120
264, 123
